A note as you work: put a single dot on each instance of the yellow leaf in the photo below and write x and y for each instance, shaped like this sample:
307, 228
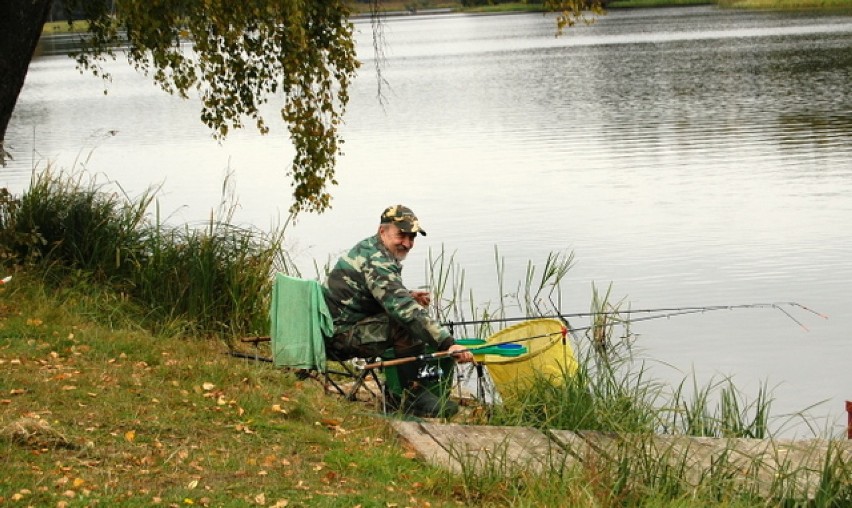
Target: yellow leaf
187, 500
192, 484
78, 482
208, 386
130, 435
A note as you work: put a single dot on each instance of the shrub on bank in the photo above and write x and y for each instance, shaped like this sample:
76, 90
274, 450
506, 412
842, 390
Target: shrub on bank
212, 280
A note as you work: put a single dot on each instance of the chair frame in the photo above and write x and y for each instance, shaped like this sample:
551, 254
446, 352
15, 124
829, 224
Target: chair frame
360, 377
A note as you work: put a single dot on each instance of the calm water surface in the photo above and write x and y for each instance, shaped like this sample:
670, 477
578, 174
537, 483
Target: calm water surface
687, 156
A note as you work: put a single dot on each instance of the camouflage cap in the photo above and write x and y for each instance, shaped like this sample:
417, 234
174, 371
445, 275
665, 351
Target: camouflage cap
403, 218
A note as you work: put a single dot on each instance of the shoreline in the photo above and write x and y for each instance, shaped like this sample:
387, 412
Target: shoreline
396, 9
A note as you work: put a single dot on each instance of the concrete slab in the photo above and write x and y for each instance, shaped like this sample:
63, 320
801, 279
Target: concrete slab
482, 449
756, 464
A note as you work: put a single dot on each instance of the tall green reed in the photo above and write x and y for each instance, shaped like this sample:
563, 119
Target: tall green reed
210, 279
80, 225
615, 394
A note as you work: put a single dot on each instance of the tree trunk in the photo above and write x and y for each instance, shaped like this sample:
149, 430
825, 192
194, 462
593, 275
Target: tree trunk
21, 23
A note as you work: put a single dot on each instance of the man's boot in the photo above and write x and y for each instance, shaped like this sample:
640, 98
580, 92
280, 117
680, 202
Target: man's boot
417, 399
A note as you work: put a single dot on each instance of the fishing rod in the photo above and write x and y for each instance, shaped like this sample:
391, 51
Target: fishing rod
443, 354
662, 312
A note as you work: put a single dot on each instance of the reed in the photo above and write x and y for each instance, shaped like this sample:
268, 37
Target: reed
647, 461
209, 280
72, 224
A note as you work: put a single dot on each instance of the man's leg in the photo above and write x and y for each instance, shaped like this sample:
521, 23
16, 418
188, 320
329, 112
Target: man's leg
369, 338
416, 378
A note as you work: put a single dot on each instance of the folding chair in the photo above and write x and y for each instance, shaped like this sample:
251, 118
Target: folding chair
299, 325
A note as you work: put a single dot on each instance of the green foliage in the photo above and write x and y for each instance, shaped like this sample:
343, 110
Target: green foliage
243, 55
80, 226
15, 242
213, 280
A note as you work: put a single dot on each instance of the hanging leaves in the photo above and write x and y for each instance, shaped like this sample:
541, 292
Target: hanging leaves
569, 12
238, 56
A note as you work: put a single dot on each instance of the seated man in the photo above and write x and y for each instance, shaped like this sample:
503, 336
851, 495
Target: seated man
373, 311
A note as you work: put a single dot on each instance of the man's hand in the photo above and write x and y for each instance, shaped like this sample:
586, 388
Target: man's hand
424, 298
464, 356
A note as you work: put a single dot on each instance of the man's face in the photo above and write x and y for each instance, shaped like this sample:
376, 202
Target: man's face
395, 241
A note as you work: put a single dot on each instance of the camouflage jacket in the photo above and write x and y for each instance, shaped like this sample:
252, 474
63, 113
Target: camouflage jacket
368, 281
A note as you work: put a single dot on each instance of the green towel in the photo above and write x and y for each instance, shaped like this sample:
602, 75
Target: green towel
300, 321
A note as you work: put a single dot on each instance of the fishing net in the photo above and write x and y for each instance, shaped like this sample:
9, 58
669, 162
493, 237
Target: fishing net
546, 356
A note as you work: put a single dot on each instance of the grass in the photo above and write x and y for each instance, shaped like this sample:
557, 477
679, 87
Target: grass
211, 279
116, 387
115, 416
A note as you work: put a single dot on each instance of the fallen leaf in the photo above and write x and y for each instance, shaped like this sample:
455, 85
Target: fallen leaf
244, 428
17, 391
192, 484
208, 386
260, 499
130, 435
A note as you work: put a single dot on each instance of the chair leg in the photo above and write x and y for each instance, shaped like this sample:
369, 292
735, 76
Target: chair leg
360, 378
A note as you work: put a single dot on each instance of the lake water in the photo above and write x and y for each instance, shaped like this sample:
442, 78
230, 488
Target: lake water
689, 157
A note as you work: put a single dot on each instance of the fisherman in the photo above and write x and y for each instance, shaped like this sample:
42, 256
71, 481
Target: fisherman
373, 311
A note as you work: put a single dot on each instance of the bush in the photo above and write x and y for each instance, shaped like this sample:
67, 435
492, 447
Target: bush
213, 280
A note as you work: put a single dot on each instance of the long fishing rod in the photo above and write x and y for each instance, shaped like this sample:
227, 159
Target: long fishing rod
662, 312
